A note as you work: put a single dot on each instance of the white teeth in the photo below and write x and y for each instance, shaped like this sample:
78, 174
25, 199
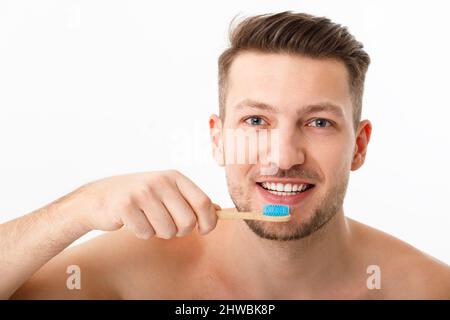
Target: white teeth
284, 189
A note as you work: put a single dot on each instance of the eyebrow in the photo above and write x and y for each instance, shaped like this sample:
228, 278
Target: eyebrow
311, 108
248, 103
323, 107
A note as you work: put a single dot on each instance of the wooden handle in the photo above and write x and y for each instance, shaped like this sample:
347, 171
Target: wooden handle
232, 213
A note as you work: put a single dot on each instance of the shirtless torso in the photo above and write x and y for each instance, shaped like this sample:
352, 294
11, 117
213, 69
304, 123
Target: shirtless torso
117, 265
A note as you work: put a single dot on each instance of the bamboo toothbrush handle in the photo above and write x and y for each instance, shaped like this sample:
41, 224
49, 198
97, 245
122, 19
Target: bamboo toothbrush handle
232, 213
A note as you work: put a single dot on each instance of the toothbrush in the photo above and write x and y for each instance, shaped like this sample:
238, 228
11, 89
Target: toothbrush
271, 212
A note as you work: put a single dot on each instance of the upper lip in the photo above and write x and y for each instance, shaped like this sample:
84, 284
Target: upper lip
284, 180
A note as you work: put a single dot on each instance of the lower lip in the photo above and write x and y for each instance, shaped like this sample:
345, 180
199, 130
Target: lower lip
291, 200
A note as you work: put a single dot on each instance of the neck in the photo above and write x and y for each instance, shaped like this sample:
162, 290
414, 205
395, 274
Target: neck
271, 267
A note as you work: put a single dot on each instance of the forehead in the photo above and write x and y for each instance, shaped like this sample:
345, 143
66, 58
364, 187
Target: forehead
287, 80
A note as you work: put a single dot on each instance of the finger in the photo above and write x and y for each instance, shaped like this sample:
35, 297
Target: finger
182, 213
159, 217
136, 222
200, 203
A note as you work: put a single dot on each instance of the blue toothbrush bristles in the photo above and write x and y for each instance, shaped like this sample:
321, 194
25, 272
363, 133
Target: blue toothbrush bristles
276, 210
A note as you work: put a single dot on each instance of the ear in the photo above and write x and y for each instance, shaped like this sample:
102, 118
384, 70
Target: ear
215, 132
362, 140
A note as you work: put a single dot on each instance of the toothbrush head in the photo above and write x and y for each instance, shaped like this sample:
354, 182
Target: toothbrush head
276, 210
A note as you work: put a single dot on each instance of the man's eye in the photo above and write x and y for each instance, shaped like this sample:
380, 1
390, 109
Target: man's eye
319, 123
255, 121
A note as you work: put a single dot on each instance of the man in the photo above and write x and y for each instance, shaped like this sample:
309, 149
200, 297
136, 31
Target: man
295, 73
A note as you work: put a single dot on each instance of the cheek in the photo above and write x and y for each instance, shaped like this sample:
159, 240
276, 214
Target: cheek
333, 158
238, 174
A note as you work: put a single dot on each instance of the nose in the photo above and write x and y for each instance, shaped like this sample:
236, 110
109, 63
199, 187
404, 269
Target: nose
291, 148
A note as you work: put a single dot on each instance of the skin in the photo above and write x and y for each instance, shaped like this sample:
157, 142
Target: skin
159, 255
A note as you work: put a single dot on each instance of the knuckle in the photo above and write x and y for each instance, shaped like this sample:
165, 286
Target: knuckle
141, 228
151, 193
145, 194
144, 232
142, 193
159, 179
167, 233
207, 228
190, 223
202, 202
186, 225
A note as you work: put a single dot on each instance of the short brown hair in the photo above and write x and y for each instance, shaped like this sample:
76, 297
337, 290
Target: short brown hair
297, 33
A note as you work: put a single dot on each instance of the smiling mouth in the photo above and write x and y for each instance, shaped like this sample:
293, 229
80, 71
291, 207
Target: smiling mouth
285, 189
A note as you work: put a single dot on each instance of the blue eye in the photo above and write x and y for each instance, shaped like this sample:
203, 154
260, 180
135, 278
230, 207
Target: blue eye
319, 123
255, 121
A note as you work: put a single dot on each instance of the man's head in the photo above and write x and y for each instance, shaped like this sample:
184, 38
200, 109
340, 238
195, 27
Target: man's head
304, 77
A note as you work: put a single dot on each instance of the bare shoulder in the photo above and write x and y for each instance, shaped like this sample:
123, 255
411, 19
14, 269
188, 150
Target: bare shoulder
406, 272
115, 265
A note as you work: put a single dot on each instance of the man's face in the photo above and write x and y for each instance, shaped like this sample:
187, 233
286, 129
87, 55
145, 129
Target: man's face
309, 102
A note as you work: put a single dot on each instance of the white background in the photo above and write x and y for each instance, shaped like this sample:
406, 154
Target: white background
97, 88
